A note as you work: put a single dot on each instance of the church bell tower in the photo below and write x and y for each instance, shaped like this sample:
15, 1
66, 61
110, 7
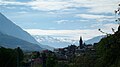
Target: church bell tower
81, 43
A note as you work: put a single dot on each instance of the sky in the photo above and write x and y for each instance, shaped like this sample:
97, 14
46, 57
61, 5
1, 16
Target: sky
62, 18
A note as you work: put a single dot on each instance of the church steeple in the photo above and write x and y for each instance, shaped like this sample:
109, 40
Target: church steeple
81, 43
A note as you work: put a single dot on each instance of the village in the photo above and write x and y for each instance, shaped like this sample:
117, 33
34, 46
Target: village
59, 55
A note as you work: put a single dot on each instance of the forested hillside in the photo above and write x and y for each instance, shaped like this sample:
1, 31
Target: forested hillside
108, 50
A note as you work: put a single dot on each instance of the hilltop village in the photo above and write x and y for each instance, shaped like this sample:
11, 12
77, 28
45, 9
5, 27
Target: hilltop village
73, 50
60, 55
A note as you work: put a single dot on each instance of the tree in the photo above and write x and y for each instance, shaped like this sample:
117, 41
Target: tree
7, 57
19, 56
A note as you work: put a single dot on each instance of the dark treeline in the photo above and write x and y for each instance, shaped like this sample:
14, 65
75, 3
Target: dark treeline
10, 57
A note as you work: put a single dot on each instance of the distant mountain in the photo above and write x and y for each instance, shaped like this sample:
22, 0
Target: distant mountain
51, 41
8, 28
13, 42
47, 47
94, 40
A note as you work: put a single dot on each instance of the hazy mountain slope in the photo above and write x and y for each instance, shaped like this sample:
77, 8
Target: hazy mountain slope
9, 28
13, 42
94, 40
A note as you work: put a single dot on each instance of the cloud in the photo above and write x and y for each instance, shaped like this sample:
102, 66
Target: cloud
62, 21
93, 16
95, 6
70, 34
39, 5
22, 12
12, 3
71, 21
48, 6
75, 34
108, 27
98, 6
7, 0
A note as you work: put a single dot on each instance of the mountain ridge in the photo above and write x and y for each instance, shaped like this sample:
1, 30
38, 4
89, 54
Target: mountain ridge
94, 39
13, 42
8, 28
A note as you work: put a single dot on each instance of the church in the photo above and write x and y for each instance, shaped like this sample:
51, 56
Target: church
81, 44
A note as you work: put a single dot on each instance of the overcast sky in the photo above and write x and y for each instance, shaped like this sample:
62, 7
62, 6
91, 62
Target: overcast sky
69, 18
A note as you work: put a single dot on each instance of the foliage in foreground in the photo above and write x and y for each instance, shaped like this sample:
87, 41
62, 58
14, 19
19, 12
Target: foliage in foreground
10, 57
108, 50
